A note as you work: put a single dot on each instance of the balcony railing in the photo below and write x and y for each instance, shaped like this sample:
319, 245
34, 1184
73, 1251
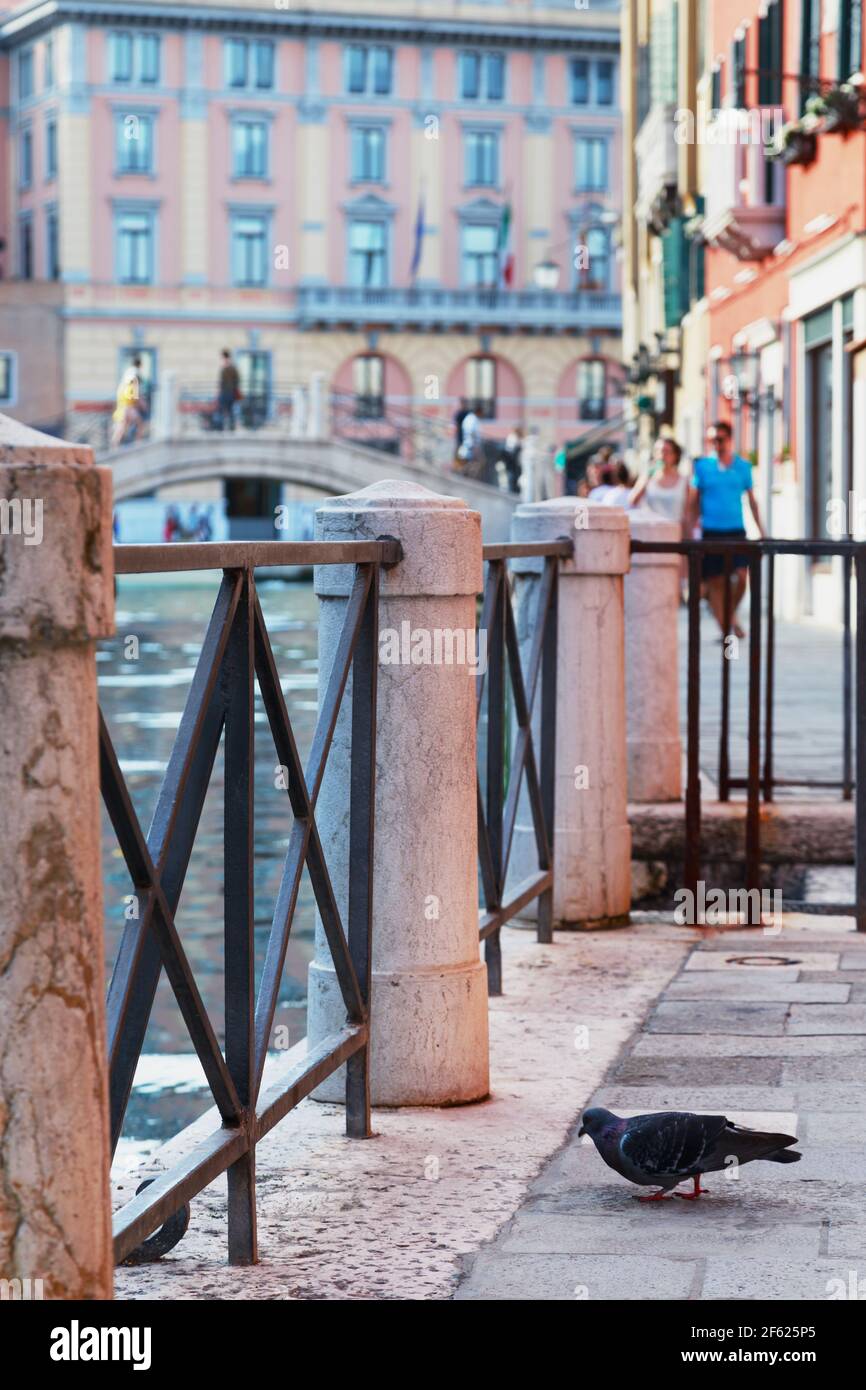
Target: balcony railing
449, 308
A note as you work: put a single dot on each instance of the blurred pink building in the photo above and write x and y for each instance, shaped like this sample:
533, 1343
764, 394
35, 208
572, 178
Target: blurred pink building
421, 204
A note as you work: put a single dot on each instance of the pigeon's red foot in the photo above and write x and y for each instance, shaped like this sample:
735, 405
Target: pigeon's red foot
659, 1196
692, 1196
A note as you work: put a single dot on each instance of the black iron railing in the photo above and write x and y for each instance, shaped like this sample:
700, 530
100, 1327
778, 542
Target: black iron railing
236, 652
510, 758
759, 783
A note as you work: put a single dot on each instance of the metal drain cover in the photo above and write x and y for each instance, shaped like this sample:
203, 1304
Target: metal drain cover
762, 960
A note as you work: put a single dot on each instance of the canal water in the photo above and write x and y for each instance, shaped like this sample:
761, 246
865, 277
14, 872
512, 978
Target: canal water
143, 686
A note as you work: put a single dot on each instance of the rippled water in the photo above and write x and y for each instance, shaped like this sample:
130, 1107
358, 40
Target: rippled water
142, 701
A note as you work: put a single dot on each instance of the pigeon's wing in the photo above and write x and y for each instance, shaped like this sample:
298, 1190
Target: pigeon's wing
735, 1141
671, 1142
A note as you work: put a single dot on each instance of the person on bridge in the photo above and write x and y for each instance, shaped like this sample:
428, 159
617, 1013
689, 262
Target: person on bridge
716, 500
229, 391
130, 408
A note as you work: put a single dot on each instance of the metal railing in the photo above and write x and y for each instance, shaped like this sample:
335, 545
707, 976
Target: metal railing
759, 783
237, 651
511, 760
395, 429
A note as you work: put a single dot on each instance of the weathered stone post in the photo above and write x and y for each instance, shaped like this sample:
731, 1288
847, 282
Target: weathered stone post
317, 411
652, 595
165, 415
429, 990
56, 598
592, 837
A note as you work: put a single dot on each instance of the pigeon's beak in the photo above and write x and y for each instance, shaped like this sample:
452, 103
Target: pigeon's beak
581, 1132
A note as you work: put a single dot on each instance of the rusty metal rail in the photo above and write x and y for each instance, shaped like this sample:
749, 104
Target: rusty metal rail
236, 652
511, 760
760, 782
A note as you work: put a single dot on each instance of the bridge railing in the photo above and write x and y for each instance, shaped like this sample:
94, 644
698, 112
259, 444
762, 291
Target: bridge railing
380, 423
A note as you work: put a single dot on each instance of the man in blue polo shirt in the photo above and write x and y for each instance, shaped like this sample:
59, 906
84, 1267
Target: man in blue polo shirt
716, 498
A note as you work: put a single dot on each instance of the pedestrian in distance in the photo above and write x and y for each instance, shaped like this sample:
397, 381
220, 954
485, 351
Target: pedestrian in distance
721, 479
228, 391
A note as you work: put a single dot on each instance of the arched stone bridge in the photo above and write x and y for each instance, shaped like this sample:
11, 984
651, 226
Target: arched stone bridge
331, 467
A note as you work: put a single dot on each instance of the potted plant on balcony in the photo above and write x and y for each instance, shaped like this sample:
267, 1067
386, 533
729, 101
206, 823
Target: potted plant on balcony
838, 108
795, 142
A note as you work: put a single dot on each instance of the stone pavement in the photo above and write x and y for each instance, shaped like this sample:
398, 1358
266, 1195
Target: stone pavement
391, 1217
499, 1200
769, 1029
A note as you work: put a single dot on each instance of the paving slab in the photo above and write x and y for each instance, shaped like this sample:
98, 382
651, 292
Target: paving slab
561, 1278
684, 1016
807, 1019
809, 1281
854, 960
767, 962
749, 987
691, 1071
681, 1229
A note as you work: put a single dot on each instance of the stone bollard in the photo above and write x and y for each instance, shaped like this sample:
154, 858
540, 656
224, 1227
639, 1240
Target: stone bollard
56, 598
592, 837
429, 988
165, 414
652, 596
317, 421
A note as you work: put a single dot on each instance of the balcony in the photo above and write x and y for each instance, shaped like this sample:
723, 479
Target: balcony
656, 156
744, 212
435, 309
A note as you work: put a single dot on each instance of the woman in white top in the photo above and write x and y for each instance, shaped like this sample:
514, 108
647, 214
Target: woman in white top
664, 490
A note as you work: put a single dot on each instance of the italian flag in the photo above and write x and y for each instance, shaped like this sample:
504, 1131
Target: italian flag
506, 255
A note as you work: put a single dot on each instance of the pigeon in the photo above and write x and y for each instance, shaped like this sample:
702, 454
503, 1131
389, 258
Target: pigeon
673, 1146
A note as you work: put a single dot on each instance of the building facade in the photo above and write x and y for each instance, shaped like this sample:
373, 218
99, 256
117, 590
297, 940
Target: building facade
770, 197
388, 201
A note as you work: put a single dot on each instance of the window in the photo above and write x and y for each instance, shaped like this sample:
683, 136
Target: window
121, 57
368, 154
482, 159
579, 82
134, 58
25, 74
368, 247
249, 63
591, 390
135, 249
738, 71
25, 248
604, 82
590, 163
770, 56
254, 370
7, 378
368, 374
369, 70
249, 250
250, 149
25, 154
263, 62
51, 148
480, 255
716, 88
595, 273
237, 62
481, 75
52, 244
481, 386
810, 49
48, 65
850, 37
148, 47
134, 144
